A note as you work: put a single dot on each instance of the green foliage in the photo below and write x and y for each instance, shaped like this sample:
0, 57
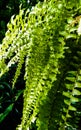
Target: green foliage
9, 8
6, 112
8, 98
47, 40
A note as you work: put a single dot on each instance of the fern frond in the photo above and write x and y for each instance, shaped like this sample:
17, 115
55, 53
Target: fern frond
42, 64
39, 38
73, 93
23, 53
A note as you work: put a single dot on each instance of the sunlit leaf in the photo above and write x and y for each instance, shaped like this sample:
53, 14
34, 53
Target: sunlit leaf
71, 36
67, 94
79, 28
70, 20
76, 92
78, 85
74, 99
69, 86
79, 78
71, 79
67, 101
68, 116
72, 108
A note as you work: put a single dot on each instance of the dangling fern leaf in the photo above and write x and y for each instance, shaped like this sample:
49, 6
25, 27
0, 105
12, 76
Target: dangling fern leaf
72, 84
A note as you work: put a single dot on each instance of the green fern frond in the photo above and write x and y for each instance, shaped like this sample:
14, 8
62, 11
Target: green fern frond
72, 84
42, 65
23, 53
40, 39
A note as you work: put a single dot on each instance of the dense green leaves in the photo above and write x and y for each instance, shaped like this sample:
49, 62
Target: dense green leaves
46, 40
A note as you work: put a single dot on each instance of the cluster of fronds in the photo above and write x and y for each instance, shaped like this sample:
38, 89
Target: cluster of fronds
43, 38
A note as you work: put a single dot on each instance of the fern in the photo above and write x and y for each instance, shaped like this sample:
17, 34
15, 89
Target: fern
72, 84
71, 96
43, 39
44, 71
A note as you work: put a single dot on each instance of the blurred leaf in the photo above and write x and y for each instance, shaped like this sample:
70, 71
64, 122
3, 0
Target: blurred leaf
67, 94
6, 112
74, 99
18, 94
72, 108
67, 102
76, 92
